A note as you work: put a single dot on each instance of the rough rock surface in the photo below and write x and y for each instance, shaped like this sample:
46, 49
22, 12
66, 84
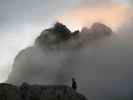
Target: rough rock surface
54, 35
9, 92
38, 92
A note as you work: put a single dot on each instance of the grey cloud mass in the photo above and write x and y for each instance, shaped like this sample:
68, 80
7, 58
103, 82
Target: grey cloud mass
102, 66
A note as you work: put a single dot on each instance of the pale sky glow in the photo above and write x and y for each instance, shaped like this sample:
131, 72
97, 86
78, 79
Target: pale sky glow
124, 1
113, 16
11, 45
21, 22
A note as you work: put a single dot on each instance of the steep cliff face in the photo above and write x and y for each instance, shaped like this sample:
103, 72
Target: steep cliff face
38, 92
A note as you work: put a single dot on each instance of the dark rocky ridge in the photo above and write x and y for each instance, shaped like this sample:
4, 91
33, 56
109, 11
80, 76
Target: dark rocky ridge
59, 36
38, 92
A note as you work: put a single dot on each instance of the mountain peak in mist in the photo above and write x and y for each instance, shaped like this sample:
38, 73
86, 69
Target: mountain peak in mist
97, 29
101, 28
59, 33
34, 64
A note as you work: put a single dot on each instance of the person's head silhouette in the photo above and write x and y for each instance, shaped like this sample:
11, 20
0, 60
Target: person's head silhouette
73, 79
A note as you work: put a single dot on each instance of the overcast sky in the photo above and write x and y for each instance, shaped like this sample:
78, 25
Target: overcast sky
21, 21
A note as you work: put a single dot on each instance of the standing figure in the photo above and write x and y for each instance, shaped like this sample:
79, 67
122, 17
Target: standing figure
74, 84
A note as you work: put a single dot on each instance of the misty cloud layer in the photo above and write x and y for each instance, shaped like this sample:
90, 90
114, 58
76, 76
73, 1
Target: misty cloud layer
102, 67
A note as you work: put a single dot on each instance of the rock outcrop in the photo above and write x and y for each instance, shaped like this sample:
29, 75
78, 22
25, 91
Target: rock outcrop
60, 36
42, 62
38, 92
57, 34
97, 30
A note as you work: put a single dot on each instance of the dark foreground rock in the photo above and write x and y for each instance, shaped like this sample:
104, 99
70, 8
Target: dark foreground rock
9, 92
38, 92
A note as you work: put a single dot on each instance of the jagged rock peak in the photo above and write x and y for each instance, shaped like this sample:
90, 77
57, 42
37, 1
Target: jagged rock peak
54, 35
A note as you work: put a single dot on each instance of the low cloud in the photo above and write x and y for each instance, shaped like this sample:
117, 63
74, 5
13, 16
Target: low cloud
102, 67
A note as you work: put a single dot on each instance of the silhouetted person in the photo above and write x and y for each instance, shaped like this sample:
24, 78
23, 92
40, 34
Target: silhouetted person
24, 90
74, 84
